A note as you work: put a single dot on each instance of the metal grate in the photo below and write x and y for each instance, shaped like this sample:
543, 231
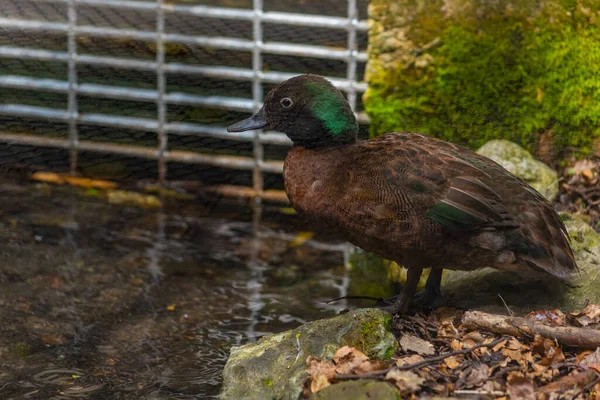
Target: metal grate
34, 30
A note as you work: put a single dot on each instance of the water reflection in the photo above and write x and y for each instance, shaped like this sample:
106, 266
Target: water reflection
103, 301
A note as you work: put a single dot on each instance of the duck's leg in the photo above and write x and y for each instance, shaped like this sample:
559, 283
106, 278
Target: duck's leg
402, 301
432, 290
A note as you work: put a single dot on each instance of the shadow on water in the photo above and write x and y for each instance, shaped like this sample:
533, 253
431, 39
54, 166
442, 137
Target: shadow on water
101, 301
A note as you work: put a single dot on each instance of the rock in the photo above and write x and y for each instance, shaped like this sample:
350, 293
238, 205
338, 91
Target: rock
358, 390
274, 367
440, 67
521, 163
480, 290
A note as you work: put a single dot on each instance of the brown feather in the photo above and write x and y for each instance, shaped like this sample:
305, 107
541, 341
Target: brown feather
380, 194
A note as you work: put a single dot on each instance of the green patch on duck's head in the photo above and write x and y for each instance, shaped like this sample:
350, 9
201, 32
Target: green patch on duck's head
309, 110
330, 106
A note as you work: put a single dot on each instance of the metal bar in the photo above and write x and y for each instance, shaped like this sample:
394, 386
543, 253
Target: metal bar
331, 53
141, 124
161, 88
125, 93
233, 73
257, 97
234, 162
352, 48
317, 21
72, 85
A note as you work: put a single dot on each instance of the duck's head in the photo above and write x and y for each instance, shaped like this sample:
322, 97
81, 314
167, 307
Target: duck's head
309, 110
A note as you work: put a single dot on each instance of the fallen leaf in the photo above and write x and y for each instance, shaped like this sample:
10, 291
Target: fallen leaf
287, 211
48, 177
555, 317
300, 238
406, 381
590, 315
519, 387
592, 360
89, 183
53, 339
456, 345
417, 345
446, 329
316, 367
171, 307
474, 376
576, 379
452, 362
550, 352
133, 198
409, 360
475, 336
319, 382
347, 359
499, 346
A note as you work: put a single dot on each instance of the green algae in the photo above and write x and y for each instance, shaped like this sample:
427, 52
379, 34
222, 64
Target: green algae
469, 71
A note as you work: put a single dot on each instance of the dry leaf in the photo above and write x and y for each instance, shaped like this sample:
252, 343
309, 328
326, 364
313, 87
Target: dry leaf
519, 387
409, 360
577, 379
550, 352
446, 329
499, 346
590, 315
554, 317
88, 183
347, 359
452, 362
475, 376
456, 345
315, 367
49, 177
417, 345
406, 381
475, 336
300, 238
53, 339
318, 382
592, 360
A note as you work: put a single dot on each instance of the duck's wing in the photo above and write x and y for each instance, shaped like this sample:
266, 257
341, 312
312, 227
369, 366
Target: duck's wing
465, 192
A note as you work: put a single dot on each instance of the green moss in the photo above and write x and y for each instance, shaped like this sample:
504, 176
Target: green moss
268, 382
22, 349
372, 334
389, 353
489, 71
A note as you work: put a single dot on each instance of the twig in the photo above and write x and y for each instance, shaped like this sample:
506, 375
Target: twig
420, 364
355, 297
497, 393
588, 386
517, 326
510, 312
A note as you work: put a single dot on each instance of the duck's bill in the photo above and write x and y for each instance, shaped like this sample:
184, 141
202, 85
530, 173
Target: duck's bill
257, 121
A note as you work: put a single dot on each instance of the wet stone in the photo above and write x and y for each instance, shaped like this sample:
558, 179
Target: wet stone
358, 390
274, 367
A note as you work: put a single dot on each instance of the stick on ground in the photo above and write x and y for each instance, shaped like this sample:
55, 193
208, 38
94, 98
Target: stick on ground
522, 327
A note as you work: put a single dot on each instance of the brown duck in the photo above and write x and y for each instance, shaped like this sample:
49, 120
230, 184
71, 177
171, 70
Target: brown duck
414, 199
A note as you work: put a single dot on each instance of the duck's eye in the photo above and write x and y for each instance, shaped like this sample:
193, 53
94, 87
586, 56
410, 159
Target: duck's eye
286, 102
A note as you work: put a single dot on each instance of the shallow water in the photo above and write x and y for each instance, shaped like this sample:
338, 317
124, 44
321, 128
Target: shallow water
102, 301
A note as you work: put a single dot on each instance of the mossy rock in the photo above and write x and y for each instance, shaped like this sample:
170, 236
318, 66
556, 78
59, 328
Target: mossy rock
274, 367
358, 390
521, 163
469, 71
